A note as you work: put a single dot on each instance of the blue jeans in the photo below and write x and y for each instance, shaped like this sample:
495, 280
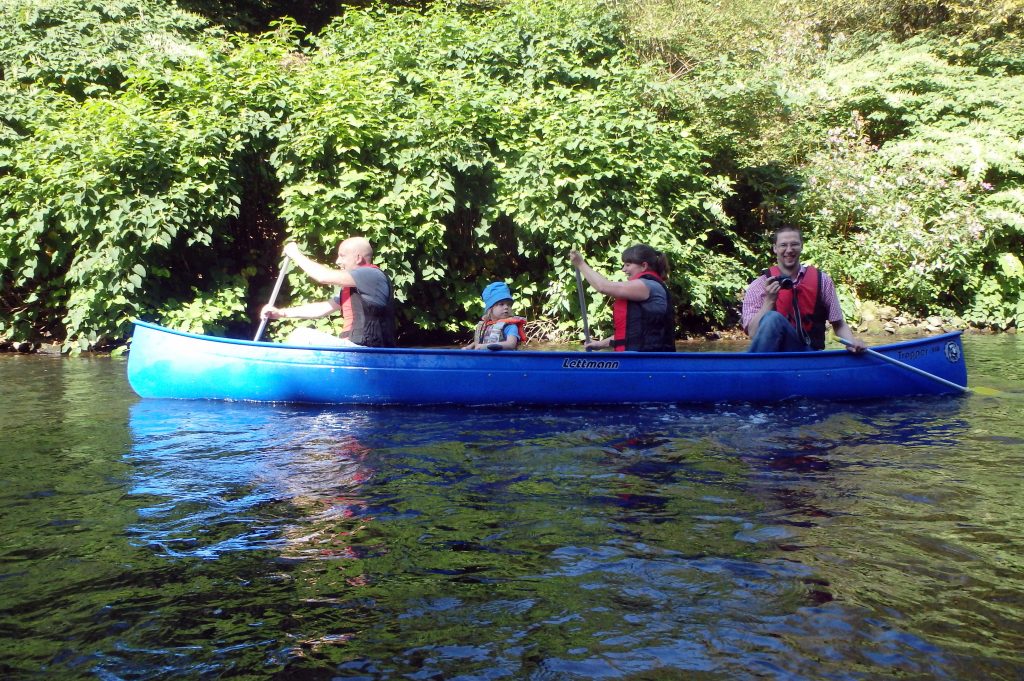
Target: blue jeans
776, 334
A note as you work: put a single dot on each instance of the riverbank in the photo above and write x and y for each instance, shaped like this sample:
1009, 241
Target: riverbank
872, 320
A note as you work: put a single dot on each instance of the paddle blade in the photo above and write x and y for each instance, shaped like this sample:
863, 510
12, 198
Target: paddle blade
987, 392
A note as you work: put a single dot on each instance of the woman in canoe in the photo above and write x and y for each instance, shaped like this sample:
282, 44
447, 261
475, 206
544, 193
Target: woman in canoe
643, 314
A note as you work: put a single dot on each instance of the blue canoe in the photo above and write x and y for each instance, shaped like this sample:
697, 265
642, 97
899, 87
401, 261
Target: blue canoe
163, 363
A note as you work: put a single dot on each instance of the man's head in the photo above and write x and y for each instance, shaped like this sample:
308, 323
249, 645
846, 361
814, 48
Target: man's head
354, 252
787, 243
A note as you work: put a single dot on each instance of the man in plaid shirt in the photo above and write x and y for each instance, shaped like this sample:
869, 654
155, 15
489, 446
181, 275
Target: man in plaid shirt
785, 309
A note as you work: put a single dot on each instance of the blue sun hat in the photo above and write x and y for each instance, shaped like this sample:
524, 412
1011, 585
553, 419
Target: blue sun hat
495, 293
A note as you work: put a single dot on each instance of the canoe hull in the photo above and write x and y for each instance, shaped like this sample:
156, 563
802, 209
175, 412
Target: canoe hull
164, 363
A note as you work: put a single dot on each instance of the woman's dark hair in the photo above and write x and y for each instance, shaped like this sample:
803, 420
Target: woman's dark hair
642, 253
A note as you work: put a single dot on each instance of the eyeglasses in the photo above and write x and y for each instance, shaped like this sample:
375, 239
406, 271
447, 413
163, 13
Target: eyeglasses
795, 244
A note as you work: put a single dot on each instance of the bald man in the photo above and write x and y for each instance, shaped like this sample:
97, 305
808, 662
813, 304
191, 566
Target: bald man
365, 299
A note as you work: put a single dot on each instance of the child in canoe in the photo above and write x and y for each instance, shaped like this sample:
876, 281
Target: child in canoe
498, 330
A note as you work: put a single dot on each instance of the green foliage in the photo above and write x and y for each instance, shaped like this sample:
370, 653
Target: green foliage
960, 21
473, 148
151, 166
468, 147
887, 131
975, 33
741, 72
903, 199
256, 16
104, 198
998, 286
209, 311
85, 48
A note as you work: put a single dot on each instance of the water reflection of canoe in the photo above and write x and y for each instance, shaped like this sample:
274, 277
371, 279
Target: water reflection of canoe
173, 364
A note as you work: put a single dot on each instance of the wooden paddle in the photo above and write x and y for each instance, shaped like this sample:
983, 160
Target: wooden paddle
919, 372
273, 296
583, 307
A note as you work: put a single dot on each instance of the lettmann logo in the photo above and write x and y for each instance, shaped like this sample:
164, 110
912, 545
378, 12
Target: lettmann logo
590, 364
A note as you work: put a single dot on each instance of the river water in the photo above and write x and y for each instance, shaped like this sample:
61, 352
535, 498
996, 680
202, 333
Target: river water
159, 539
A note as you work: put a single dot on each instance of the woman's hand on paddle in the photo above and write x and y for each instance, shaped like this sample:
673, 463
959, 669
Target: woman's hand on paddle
598, 345
576, 259
271, 312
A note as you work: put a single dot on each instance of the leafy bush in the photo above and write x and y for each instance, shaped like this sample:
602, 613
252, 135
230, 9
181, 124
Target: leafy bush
472, 148
913, 198
151, 166
115, 203
906, 233
85, 48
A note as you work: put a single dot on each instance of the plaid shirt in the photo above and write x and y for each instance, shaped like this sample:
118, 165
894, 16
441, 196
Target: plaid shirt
754, 298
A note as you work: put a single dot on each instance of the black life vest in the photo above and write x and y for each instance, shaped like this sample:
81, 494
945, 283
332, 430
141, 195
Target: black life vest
372, 326
637, 329
808, 315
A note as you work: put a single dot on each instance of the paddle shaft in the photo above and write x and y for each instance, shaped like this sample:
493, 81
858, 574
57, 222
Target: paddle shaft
919, 372
273, 296
583, 306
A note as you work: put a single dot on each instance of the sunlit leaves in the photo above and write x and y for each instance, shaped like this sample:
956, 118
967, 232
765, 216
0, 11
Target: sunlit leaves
117, 187
482, 145
493, 143
916, 194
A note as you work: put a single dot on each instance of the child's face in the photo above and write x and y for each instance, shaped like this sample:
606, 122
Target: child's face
501, 310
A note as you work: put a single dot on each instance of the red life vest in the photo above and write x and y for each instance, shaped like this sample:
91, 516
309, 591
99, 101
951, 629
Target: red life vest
639, 330
809, 306
493, 331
